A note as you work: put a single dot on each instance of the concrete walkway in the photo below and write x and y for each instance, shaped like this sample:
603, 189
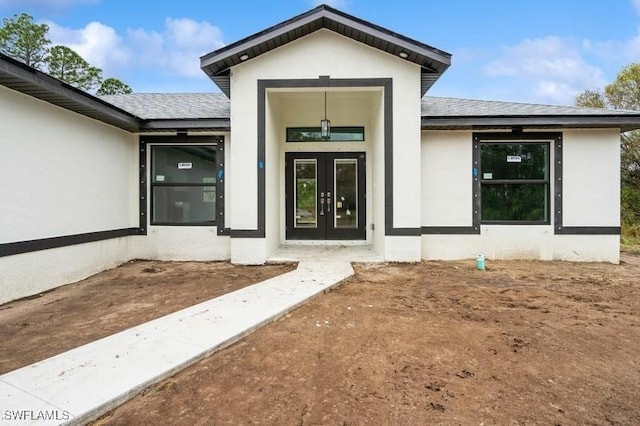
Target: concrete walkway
80, 385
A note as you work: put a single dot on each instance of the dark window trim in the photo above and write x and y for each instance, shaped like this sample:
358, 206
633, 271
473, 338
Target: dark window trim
513, 137
450, 230
178, 140
335, 129
559, 228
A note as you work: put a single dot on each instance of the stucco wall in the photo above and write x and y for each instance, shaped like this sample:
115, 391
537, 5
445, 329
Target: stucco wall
62, 174
591, 194
198, 243
591, 177
341, 58
447, 178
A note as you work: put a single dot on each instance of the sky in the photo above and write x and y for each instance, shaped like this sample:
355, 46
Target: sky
537, 51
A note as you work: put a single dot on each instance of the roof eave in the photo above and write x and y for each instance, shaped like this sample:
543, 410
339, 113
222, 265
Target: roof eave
22, 78
188, 124
433, 62
624, 123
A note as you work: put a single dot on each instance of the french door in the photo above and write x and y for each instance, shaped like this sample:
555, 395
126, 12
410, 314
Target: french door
325, 195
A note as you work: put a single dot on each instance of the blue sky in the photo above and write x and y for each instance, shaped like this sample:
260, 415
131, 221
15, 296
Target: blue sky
539, 51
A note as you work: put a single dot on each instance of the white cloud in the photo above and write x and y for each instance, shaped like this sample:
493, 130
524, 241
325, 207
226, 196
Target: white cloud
636, 5
99, 44
179, 47
552, 67
176, 49
624, 51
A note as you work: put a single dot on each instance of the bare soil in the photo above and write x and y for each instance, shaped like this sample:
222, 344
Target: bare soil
70, 316
523, 342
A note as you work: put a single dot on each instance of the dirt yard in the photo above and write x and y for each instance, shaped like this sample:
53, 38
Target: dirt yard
101, 305
433, 343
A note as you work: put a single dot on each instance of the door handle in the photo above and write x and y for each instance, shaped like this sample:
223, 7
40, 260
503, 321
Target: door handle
322, 204
328, 201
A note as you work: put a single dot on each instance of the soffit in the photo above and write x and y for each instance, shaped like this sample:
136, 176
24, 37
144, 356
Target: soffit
433, 62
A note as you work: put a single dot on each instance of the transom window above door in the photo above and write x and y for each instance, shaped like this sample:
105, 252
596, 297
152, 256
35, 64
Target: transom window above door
313, 134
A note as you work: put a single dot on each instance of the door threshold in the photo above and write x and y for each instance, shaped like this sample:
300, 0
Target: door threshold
337, 251
341, 243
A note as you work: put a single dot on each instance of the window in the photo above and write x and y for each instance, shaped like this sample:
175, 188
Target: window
312, 134
514, 182
183, 185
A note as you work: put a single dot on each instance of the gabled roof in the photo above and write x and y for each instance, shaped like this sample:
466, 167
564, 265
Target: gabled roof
211, 111
433, 62
459, 114
158, 109
183, 111
171, 106
22, 78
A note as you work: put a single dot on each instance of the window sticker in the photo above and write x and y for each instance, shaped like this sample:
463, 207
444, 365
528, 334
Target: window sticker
487, 176
514, 159
159, 178
185, 166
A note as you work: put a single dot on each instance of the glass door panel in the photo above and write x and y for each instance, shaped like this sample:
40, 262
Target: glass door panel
306, 196
325, 197
345, 193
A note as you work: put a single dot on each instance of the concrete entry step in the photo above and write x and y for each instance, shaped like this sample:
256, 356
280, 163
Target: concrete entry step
80, 385
325, 253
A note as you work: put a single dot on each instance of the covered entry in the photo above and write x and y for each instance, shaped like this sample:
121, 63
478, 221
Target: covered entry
325, 195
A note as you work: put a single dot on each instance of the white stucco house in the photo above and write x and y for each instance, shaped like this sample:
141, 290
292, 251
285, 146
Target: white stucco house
87, 183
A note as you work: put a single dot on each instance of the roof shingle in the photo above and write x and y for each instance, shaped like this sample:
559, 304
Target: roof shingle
454, 107
167, 106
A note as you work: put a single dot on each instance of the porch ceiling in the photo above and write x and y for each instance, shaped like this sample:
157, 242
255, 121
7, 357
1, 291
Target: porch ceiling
433, 62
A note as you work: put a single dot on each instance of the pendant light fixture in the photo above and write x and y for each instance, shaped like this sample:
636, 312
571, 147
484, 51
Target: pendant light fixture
325, 125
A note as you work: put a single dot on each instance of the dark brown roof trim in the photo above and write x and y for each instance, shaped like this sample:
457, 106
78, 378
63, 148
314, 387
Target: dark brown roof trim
25, 79
432, 61
189, 124
624, 122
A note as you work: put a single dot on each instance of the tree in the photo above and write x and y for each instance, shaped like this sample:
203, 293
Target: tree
113, 86
623, 93
25, 41
66, 65
591, 99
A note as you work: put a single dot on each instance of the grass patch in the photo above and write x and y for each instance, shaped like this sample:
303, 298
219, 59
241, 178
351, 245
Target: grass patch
630, 242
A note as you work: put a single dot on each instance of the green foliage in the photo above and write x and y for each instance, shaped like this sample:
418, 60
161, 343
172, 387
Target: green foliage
25, 41
591, 99
630, 202
624, 93
630, 159
113, 86
66, 65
